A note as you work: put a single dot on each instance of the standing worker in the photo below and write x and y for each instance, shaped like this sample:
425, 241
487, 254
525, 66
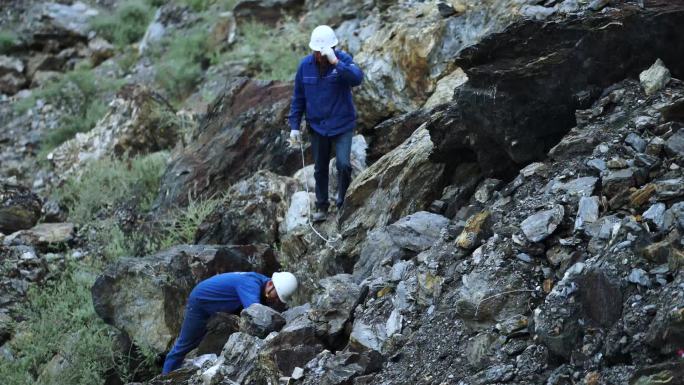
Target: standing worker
322, 92
229, 293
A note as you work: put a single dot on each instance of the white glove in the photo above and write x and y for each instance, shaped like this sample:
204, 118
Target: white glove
330, 54
295, 137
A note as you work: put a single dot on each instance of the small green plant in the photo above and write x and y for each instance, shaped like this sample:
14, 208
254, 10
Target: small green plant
183, 226
126, 25
8, 40
180, 67
273, 54
60, 320
80, 93
107, 182
203, 5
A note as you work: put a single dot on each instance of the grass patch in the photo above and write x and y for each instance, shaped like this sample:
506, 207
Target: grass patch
126, 25
273, 54
80, 93
60, 319
8, 40
185, 222
107, 182
179, 69
203, 5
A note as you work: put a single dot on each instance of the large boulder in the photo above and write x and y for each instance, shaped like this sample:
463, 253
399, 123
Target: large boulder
251, 212
537, 84
19, 208
139, 121
400, 183
333, 306
405, 58
145, 297
242, 133
406, 237
52, 25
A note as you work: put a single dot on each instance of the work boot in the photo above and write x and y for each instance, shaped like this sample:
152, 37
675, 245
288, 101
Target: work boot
319, 216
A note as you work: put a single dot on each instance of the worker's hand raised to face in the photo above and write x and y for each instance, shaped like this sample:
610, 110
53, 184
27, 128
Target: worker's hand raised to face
330, 55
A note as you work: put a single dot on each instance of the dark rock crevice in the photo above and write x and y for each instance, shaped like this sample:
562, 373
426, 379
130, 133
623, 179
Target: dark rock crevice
526, 82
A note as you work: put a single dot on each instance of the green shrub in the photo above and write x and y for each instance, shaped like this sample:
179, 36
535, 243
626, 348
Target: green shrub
60, 319
126, 25
203, 5
182, 228
7, 41
273, 54
107, 182
80, 93
179, 69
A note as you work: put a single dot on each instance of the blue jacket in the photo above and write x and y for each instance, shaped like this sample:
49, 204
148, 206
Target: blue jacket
231, 290
327, 100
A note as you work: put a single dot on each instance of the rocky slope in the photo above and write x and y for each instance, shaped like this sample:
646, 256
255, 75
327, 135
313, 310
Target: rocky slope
515, 215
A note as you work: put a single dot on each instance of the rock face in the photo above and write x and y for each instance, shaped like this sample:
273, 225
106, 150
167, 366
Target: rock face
402, 182
251, 212
413, 49
266, 11
485, 120
137, 123
44, 236
242, 133
145, 297
19, 208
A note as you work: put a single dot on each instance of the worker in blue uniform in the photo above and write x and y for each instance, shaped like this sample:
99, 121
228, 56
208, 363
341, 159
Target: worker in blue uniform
229, 293
322, 92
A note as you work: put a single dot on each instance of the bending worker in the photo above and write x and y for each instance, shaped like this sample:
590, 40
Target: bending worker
322, 92
229, 293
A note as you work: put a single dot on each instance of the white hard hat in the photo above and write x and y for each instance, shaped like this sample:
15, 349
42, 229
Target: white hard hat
285, 284
322, 37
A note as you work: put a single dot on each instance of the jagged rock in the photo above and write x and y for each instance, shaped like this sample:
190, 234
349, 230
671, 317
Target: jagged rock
601, 297
19, 208
248, 112
669, 188
240, 356
266, 11
474, 231
587, 212
340, 368
301, 204
44, 236
405, 57
334, 305
10, 65
675, 144
617, 181
485, 121
542, 224
417, 232
293, 347
656, 215
100, 49
400, 183
154, 33
639, 277
636, 142
220, 327
11, 83
53, 212
445, 88
389, 134
259, 320
251, 211
669, 372
137, 123
483, 297
654, 78
145, 297
54, 26
666, 331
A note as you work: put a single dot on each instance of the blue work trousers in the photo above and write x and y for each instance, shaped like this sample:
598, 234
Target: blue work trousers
322, 146
194, 328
